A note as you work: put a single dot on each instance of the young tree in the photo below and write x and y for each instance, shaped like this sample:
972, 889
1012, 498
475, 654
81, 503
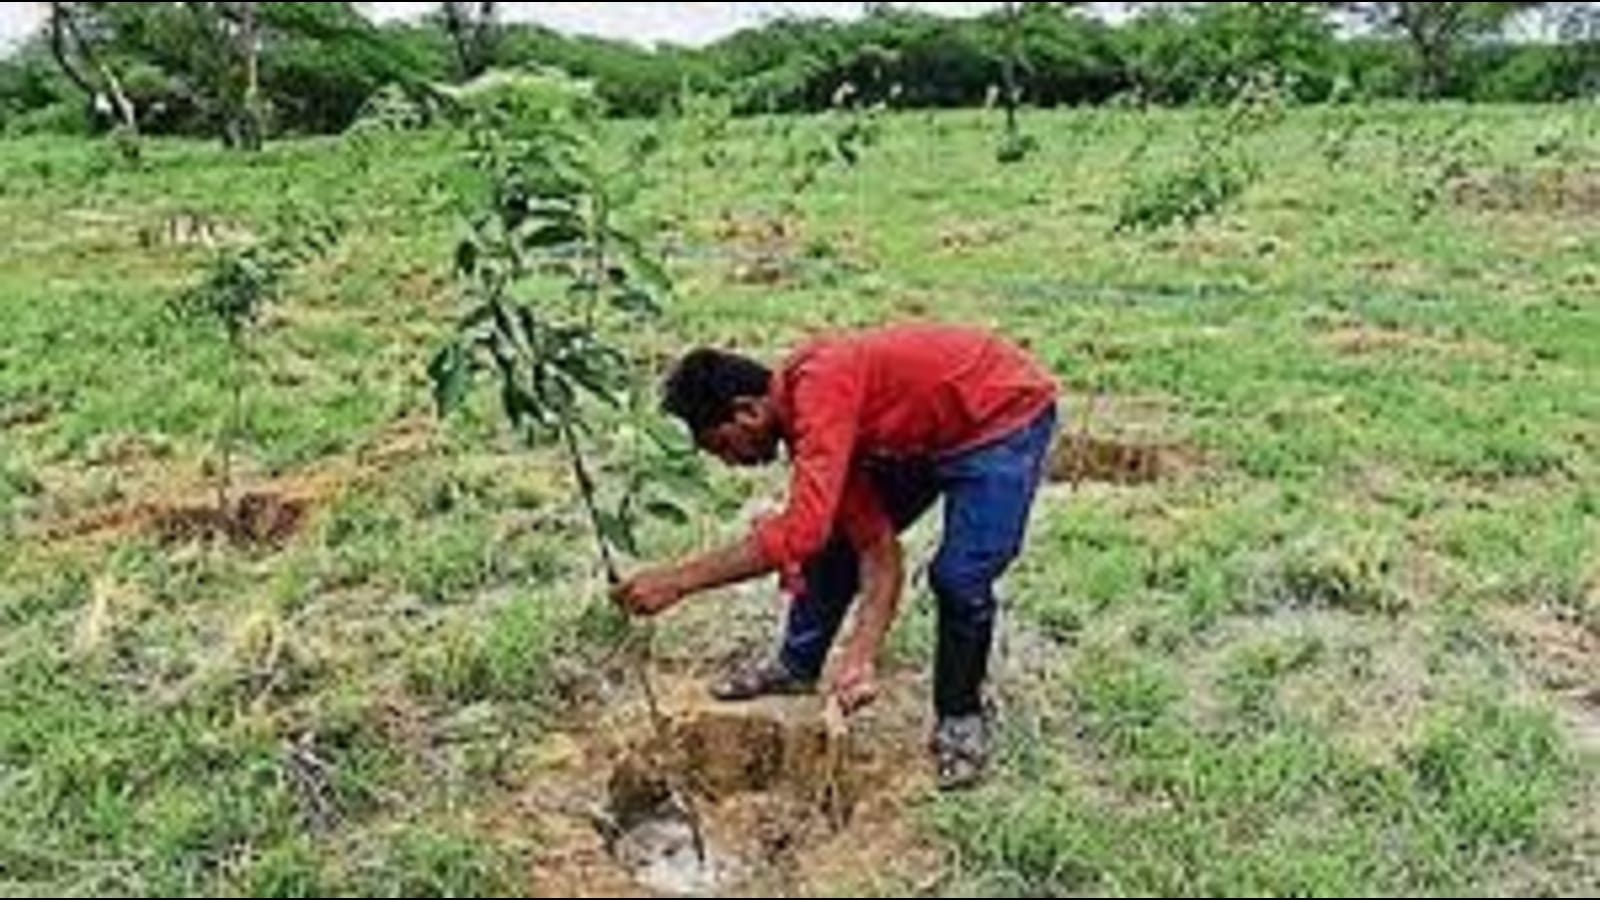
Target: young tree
1578, 27
80, 39
554, 279
238, 285
247, 48
1012, 149
227, 56
1436, 32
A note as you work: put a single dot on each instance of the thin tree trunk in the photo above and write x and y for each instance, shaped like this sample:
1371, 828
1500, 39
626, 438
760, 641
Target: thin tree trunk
250, 51
64, 26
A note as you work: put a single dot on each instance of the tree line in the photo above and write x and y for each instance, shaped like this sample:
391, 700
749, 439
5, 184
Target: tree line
241, 71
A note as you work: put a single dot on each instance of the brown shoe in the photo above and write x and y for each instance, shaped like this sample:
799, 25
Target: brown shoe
766, 678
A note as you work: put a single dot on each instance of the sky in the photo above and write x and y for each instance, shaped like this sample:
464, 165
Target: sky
682, 23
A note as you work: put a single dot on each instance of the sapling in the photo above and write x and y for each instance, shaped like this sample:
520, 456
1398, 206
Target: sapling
554, 278
239, 283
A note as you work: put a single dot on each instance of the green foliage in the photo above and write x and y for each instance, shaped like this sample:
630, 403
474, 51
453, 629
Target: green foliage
554, 278
1216, 172
322, 62
435, 860
1436, 33
1432, 162
1491, 772
238, 284
1201, 188
505, 658
1204, 52
1016, 147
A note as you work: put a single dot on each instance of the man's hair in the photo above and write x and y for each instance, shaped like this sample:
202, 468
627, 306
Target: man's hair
703, 385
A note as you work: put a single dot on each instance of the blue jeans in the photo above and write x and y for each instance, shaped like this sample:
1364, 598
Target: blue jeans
988, 492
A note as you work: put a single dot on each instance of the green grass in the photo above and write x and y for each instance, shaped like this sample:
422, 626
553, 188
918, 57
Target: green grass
1334, 655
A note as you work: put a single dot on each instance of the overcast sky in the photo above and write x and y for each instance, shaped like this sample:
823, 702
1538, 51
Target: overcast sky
684, 23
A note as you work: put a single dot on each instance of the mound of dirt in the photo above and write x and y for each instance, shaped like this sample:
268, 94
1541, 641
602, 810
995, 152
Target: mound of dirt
1079, 458
261, 519
1567, 190
762, 799
268, 514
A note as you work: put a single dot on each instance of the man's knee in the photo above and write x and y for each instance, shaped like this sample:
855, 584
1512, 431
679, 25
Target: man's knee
964, 590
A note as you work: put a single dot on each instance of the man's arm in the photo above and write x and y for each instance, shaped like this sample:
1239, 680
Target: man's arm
655, 590
882, 577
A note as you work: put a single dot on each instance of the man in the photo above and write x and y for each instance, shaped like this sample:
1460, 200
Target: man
877, 424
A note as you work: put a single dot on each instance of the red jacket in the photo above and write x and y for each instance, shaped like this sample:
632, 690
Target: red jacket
903, 391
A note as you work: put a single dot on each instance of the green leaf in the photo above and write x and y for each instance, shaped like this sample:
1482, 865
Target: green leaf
683, 483
519, 404
472, 321
451, 371
635, 301
616, 531
532, 329
506, 326
467, 257
554, 234
558, 397
669, 435
667, 510
642, 265
593, 378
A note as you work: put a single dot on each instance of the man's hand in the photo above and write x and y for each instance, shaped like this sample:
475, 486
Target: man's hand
856, 683
650, 592
659, 589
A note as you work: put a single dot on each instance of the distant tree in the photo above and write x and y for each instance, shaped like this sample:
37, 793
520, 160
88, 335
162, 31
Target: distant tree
474, 31
1577, 26
1436, 32
1183, 52
81, 38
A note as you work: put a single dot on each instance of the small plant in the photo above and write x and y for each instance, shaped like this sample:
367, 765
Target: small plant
1217, 172
853, 127
700, 135
861, 127
554, 278
1342, 122
238, 285
1015, 146
1431, 165
1197, 190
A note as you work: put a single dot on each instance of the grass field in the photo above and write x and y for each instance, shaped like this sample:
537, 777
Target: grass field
1320, 616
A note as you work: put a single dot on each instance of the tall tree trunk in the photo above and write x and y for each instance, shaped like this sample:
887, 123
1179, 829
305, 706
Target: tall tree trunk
455, 22
472, 30
487, 35
60, 23
65, 39
250, 55
1009, 70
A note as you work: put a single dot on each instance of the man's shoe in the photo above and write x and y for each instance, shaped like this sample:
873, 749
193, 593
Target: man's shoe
766, 678
961, 751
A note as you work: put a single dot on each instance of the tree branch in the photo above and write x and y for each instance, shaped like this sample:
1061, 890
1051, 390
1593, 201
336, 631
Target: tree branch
60, 23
